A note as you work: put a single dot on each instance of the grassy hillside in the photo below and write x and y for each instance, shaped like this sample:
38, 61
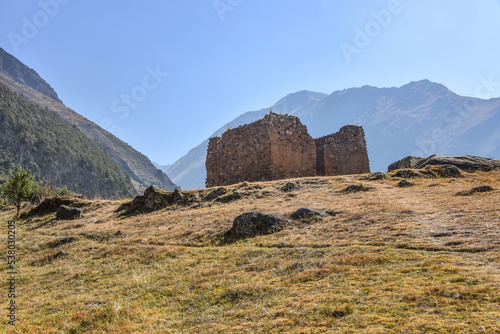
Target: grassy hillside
420, 259
39, 140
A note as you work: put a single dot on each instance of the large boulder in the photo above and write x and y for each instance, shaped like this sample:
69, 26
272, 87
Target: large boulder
408, 162
68, 213
256, 223
303, 213
466, 163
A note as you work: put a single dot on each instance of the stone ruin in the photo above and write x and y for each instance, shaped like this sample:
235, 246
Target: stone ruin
279, 147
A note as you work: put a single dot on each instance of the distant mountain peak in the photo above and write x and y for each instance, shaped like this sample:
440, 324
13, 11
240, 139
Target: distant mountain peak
426, 85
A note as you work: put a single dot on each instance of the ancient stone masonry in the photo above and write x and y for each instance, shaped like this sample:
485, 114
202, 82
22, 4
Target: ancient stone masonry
271, 148
279, 147
343, 152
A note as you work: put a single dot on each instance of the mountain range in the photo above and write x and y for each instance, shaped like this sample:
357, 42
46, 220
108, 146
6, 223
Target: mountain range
420, 118
25, 81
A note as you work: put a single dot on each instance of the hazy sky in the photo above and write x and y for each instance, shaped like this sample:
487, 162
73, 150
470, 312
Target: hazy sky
163, 75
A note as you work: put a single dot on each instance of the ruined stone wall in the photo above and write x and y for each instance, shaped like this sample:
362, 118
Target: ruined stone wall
275, 147
343, 152
240, 154
293, 150
279, 147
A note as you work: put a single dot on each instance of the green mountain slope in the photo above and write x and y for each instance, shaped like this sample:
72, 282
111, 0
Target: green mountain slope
38, 139
24, 80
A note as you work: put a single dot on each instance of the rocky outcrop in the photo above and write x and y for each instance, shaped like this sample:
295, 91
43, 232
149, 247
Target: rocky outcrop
68, 213
279, 147
343, 152
52, 204
466, 163
154, 199
408, 162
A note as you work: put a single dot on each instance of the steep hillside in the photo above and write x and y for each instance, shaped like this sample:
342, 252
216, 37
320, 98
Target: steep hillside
421, 118
38, 139
139, 167
14, 69
419, 259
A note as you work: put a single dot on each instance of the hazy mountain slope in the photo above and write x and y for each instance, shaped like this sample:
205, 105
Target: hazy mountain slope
16, 70
38, 139
189, 171
420, 118
139, 167
163, 168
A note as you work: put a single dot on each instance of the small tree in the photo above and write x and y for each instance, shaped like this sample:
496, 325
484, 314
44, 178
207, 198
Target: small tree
19, 187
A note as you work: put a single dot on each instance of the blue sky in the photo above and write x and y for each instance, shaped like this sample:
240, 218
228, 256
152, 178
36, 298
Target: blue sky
163, 75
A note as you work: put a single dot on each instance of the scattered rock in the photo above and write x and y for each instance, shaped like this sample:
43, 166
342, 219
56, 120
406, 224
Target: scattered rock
407, 173
60, 254
405, 183
377, 176
68, 213
60, 242
243, 184
229, 197
214, 194
409, 211
480, 189
454, 243
177, 195
308, 213
442, 235
442, 171
289, 186
356, 188
256, 223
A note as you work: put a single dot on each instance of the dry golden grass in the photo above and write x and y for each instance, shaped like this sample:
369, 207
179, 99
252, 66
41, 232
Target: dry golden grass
391, 260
